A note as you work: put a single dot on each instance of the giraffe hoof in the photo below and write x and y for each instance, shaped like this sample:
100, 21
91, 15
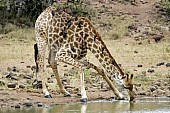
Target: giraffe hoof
84, 100
67, 95
48, 96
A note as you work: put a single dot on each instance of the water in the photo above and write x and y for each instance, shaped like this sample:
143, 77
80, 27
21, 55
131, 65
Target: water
146, 105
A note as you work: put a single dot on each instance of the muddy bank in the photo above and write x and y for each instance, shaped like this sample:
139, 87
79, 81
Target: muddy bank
18, 90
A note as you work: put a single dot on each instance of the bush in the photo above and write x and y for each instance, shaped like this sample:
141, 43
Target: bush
166, 6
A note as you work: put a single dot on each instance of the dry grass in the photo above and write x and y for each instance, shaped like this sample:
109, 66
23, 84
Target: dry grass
17, 47
113, 27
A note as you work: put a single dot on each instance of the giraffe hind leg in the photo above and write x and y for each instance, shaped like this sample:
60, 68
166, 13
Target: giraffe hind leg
53, 64
37, 83
68, 60
39, 50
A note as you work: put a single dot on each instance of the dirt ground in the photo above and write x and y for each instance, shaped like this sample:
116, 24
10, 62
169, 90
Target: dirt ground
149, 61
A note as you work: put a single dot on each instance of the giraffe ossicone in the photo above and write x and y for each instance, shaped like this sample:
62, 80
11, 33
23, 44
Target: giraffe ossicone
68, 39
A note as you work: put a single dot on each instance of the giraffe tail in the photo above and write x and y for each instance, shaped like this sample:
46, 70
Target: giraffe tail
36, 55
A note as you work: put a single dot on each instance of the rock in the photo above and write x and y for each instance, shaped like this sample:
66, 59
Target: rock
2, 83
39, 104
157, 37
9, 75
65, 66
14, 77
159, 91
28, 104
160, 64
150, 71
37, 84
28, 66
28, 76
144, 73
22, 86
12, 85
142, 93
143, 1
152, 88
139, 66
17, 106
168, 65
135, 51
14, 69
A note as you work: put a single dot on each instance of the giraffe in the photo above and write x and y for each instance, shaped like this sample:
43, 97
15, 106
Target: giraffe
68, 38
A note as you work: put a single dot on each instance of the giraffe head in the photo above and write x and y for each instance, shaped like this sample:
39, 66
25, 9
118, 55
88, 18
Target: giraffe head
127, 83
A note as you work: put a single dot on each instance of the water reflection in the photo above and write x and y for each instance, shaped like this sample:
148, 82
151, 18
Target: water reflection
144, 106
161, 105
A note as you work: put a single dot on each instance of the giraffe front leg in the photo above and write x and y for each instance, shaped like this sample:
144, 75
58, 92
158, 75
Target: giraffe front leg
83, 91
53, 63
110, 83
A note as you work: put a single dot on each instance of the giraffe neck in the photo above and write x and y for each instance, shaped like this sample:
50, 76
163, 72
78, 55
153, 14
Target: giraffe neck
99, 49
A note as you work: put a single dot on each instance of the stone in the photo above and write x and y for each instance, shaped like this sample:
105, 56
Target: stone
28, 104
139, 66
22, 86
152, 88
39, 104
160, 64
151, 70
15, 69
28, 76
2, 83
168, 65
12, 85
17, 106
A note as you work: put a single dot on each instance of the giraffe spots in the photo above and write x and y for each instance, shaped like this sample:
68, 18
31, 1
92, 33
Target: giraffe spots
89, 45
62, 25
54, 46
73, 49
50, 29
55, 36
56, 30
81, 33
100, 60
77, 36
86, 30
104, 65
95, 46
72, 28
50, 35
67, 45
71, 38
61, 40
93, 51
50, 40
86, 36
76, 44
97, 56
78, 30
89, 40
101, 55
69, 32
74, 56
106, 59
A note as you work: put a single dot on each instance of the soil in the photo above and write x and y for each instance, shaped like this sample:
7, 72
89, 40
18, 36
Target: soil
18, 74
